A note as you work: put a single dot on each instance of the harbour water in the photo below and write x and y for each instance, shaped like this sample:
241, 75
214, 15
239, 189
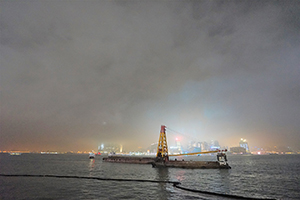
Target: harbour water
259, 176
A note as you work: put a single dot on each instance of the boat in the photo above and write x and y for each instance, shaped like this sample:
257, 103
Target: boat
91, 155
14, 153
162, 157
49, 153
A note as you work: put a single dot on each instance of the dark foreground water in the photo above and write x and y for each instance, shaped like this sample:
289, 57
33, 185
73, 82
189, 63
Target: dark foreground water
269, 176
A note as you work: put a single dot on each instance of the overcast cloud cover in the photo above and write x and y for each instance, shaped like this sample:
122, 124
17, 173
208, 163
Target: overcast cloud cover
76, 73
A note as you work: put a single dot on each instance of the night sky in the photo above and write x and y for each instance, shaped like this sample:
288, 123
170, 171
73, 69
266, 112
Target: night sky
78, 73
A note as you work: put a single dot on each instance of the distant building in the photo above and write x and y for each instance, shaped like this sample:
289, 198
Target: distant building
243, 148
243, 143
191, 144
110, 148
238, 150
177, 149
178, 145
214, 145
204, 146
100, 147
152, 148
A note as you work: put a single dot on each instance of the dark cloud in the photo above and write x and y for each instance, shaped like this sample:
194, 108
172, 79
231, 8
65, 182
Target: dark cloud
77, 73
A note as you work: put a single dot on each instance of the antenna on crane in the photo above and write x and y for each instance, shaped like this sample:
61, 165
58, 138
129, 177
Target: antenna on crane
162, 146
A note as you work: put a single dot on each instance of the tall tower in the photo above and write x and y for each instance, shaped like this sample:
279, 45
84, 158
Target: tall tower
178, 145
244, 144
162, 147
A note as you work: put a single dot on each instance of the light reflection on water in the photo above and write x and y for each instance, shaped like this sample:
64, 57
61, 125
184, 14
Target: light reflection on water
257, 176
92, 164
180, 175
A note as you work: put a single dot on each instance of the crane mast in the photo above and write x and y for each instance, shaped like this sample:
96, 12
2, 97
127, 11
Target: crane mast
162, 146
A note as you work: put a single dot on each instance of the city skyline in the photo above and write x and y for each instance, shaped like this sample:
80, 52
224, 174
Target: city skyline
173, 145
77, 72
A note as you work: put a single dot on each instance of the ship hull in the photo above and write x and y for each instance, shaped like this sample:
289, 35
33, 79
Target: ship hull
191, 165
129, 159
171, 163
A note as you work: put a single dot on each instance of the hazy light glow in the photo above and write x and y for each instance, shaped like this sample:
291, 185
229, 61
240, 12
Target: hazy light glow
75, 74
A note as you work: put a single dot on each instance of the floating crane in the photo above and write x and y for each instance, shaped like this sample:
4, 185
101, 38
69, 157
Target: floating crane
162, 156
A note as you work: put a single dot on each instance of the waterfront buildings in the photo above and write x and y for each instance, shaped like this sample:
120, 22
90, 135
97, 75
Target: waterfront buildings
243, 143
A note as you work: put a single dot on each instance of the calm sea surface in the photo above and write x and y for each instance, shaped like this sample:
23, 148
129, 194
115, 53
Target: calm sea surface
268, 176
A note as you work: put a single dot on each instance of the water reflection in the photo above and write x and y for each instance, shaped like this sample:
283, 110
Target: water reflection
92, 164
225, 179
180, 175
162, 175
217, 180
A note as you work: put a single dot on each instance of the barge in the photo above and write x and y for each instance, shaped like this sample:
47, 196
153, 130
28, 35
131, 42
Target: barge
220, 164
191, 165
129, 159
160, 163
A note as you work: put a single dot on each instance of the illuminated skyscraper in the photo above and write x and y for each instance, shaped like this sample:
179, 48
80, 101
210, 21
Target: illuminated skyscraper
244, 144
178, 145
214, 145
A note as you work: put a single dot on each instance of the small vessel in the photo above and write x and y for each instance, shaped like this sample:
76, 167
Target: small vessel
14, 153
91, 155
48, 153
